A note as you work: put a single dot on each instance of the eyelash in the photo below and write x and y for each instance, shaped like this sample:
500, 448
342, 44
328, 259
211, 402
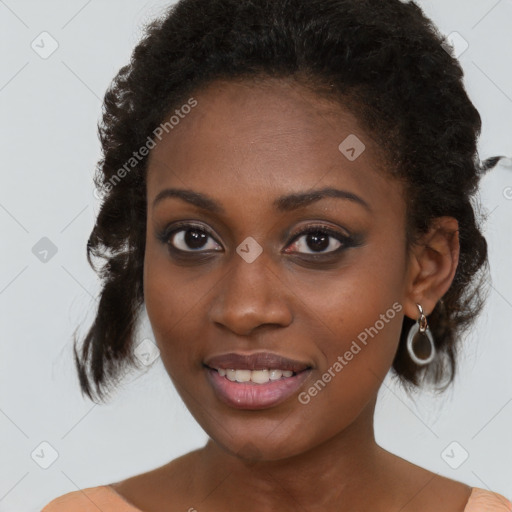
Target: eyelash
345, 241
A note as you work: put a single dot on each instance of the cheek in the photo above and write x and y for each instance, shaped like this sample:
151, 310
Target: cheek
359, 322
357, 336
171, 303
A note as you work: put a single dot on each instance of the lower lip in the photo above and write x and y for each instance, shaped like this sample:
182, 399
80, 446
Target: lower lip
248, 395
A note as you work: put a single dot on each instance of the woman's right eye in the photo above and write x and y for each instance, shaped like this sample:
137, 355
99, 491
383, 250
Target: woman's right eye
190, 238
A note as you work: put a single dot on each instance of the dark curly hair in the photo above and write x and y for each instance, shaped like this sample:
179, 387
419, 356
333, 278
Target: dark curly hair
383, 60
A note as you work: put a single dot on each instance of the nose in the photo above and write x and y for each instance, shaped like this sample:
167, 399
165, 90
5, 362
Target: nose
251, 295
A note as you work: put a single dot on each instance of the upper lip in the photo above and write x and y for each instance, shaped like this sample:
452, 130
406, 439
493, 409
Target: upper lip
258, 361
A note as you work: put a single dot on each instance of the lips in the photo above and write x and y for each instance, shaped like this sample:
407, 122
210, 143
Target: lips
232, 378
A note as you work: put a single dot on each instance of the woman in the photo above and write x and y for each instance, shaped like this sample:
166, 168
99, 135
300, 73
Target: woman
287, 190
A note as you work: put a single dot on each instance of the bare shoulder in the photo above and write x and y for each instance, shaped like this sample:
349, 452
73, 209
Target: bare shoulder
153, 490
418, 489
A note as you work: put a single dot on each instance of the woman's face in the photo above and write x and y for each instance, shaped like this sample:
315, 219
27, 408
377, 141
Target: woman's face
246, 288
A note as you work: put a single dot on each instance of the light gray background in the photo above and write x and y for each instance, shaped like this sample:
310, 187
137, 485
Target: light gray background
49, 147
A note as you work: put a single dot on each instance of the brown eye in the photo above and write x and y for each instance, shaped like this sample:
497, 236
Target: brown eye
319, 240
190, 238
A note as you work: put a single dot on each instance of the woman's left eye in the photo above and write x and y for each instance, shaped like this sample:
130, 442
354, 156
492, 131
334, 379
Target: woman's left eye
318, 240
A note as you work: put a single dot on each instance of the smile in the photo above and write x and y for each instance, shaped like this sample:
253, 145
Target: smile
255, 381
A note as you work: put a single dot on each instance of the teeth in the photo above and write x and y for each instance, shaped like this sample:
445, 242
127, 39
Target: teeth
243, 375
275, 374
256, 376
260, 376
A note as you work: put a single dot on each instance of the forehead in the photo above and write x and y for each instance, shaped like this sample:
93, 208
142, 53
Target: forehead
274, 135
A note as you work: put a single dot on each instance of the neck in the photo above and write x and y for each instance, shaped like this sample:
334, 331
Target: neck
340, 471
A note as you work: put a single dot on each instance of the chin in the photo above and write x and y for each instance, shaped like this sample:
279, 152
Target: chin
253, 451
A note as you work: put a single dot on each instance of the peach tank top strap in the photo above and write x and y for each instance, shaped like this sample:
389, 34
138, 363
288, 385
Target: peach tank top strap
482, 500
91, 499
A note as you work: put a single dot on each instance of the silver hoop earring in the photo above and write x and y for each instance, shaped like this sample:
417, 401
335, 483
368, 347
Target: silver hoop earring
420, 330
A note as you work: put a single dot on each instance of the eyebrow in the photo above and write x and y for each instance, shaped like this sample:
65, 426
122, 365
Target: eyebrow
284, 203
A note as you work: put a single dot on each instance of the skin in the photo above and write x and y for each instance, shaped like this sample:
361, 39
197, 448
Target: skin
244, 145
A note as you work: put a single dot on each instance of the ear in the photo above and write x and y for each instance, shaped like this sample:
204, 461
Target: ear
433, 261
